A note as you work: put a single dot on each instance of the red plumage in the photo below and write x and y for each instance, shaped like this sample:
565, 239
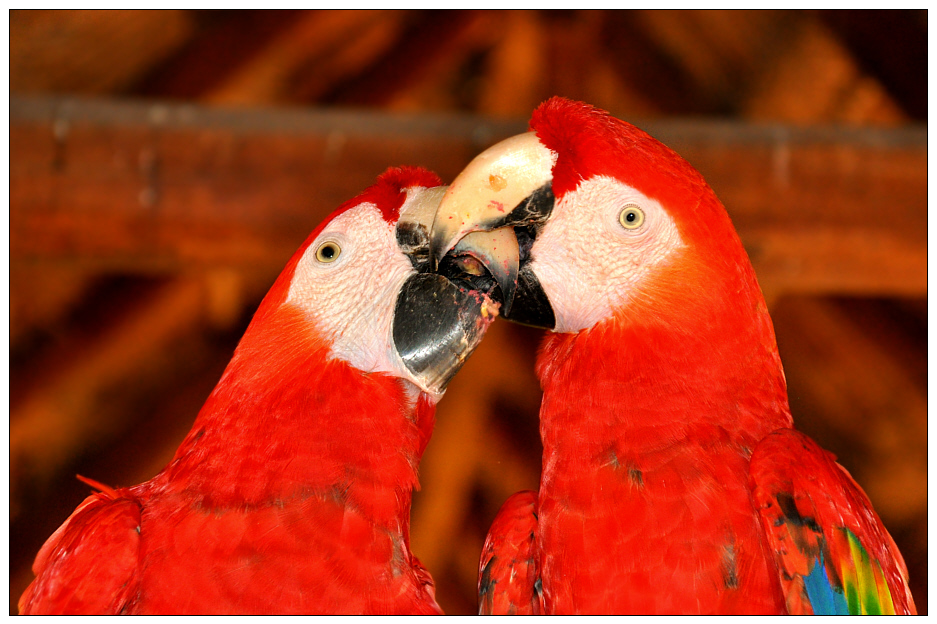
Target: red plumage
291, 493
650, 500
508, 575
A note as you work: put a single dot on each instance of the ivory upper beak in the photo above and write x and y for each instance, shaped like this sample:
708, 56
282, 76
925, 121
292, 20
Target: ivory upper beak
487, 192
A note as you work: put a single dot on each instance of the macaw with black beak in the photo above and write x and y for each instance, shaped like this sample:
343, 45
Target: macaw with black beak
291, 493
672, 478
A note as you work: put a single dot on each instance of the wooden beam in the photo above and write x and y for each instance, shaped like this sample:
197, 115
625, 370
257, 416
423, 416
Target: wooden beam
90, 51
871, 37
318, 50
222, 43
807, 52
151, 185
66, 413
425, 39
154, 186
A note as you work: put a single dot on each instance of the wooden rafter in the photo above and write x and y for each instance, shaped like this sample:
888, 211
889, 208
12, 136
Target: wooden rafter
157, 186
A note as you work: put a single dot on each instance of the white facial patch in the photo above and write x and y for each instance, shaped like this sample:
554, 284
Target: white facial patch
350, 296
587, 262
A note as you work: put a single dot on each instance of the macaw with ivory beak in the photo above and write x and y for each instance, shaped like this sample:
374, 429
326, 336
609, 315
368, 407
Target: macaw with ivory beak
291, 493
672, 479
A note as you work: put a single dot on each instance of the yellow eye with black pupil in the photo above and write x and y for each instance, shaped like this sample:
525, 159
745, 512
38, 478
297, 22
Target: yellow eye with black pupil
328, 252
631, 217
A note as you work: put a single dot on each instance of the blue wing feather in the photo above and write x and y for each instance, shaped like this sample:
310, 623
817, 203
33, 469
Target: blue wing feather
823, 597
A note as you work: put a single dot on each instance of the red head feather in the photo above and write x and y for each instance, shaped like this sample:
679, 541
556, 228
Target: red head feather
590, 142
388, 193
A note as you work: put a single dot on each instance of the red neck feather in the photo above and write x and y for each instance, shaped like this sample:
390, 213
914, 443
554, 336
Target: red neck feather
694, 354
287, 421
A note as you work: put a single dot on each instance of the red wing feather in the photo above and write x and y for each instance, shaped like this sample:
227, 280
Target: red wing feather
508, 573
89, 565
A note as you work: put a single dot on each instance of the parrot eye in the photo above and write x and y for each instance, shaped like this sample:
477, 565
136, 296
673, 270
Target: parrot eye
328, 252
631, 217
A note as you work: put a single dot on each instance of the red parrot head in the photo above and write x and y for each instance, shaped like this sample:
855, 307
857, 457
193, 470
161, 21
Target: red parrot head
362, 282
344, 360
609, 223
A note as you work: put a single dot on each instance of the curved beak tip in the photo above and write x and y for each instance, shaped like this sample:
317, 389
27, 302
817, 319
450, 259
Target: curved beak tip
496, 252
437, 326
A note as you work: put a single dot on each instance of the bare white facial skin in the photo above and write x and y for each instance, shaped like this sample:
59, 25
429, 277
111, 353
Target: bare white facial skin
590, 264
350, 297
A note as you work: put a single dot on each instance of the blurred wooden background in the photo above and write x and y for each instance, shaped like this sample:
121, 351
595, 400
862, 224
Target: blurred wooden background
165, 164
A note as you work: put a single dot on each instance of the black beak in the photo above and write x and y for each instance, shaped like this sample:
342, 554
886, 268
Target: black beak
437, 326
531, 305
438, 321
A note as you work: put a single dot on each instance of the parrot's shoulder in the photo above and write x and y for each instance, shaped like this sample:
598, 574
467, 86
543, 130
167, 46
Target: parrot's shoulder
90, 563
508, 573
833, 553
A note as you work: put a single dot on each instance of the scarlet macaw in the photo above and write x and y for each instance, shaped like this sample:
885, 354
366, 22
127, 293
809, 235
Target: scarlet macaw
291, 493
672, 479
